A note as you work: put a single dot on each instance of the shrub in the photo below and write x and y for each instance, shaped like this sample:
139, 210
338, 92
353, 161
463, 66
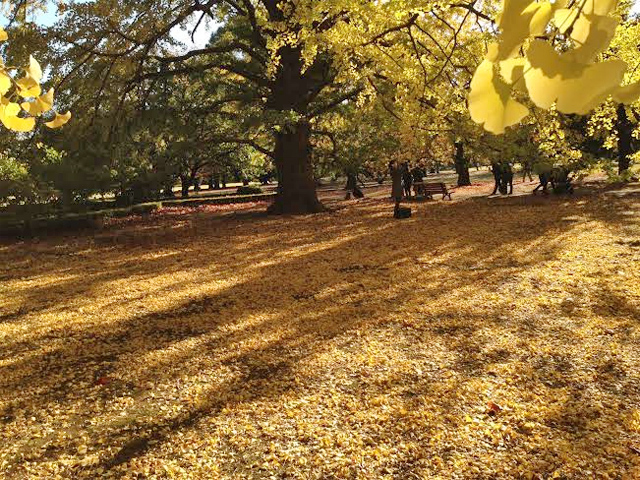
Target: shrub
145, 208
15, 181
249, 190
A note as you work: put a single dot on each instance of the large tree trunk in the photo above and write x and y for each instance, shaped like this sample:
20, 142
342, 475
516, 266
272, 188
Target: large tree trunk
462, 167
293, 91
625, 137
296, 192
185, 183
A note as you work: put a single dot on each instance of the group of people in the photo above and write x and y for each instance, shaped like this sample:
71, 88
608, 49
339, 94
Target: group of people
558, 177
403, 177
503, 177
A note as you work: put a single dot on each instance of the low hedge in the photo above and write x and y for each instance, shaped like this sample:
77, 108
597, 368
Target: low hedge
12, 225
249, 190
69, 221
223, 200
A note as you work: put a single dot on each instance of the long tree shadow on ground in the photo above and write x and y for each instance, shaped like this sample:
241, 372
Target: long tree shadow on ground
129, 348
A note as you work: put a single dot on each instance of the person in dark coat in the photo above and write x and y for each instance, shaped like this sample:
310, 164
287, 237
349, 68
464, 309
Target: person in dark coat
352, 185
543, 170
497, 174
527, 168
417, 173
396, 170
506, 179
407, 179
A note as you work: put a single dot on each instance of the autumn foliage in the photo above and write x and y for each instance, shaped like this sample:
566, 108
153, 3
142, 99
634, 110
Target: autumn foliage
551, 52
21, 117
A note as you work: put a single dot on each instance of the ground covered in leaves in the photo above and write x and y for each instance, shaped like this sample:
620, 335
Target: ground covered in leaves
480, 339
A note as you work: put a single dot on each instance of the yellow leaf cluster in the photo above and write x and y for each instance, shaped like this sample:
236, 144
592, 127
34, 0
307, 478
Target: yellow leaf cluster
530, 62
21, 117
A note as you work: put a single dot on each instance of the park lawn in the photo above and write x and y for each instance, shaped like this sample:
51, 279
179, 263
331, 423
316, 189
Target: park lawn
480, 339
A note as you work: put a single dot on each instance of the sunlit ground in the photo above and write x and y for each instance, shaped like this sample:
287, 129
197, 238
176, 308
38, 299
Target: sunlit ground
480, 339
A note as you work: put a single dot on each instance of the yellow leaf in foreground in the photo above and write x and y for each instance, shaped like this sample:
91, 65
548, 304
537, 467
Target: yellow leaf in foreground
18, 124
592, 34
39, 105
627, 94
5, 82
599, 7
519, 20
59, 120
3, 35
576, 88
28, 87
490, 101
543, 12
512, 71
10, 109
564, 18
34, 70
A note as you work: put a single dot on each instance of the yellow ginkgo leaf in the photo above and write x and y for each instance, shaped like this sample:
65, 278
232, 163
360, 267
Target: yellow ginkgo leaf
563, 18
59, 120
490, 101
47, 100
10, 109
32, 108
40, 105
599, 7
592, 34
515, 23
34, 70
627, 94
5, 82
493, 50
581, 95
576, 88
543, 12
3, 35
519, 20
512, 71
28, 87
18, 124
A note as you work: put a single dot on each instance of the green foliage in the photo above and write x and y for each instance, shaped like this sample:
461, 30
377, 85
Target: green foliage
15, 182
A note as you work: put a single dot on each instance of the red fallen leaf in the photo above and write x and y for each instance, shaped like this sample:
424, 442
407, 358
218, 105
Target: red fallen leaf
103, 381
493, 408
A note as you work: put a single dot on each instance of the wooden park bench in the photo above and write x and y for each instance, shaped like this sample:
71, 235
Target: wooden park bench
428, 189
